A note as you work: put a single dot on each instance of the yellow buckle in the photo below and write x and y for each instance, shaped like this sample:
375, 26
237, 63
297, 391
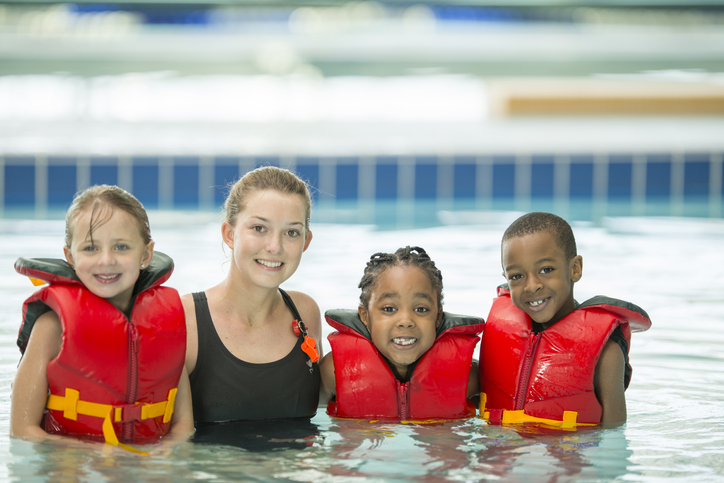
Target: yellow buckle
71, 405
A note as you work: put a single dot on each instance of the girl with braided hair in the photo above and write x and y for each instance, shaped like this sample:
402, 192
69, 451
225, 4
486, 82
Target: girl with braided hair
399, 356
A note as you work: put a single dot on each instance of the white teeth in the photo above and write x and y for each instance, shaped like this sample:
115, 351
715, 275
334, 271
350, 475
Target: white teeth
270, 264
404, 340
535, 303
107, 277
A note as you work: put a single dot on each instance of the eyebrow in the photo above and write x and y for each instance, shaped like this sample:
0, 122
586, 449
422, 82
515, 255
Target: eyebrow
260, 218
538, 262
395, 295
424, 296
113, 240
389, 295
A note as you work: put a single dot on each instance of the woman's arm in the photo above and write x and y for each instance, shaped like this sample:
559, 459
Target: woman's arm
609, 385
192, 335
182, 422
30, 389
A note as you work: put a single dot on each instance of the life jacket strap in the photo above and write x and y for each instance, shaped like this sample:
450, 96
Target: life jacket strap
72, 406
515, 417
502, 416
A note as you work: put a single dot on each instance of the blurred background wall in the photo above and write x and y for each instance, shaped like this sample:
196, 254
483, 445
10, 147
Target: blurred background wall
587, 108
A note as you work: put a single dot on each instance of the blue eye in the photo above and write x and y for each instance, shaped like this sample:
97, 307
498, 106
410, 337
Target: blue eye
89, 248
122, 247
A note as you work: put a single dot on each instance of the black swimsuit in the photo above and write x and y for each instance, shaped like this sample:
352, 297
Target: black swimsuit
226, 388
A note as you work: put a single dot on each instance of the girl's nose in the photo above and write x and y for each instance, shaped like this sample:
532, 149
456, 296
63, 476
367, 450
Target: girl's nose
406, 319
107, 258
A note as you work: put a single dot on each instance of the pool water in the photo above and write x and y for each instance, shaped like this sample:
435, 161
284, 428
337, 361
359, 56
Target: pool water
672, 267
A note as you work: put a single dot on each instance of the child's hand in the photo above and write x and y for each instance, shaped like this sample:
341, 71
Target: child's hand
169, 443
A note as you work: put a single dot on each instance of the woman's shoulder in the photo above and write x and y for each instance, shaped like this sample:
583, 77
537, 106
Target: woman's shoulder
302, 301
187, 300
308, 309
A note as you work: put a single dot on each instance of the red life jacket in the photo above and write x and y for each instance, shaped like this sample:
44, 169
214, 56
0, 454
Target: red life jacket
366, 387
529, 377
112, 377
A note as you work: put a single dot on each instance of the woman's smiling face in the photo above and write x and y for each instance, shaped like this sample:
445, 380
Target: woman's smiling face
402, 315
268, 238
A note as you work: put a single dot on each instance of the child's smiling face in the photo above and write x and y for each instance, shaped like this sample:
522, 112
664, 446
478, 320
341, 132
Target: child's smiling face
402, 315
109, 262
540, 276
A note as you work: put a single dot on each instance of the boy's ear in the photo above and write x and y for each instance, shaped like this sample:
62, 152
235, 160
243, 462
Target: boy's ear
576, 268
439, 317
363, 315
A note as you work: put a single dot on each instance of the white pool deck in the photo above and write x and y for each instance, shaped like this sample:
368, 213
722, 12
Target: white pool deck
265, 92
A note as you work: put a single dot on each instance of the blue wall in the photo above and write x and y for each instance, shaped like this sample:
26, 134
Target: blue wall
586, 185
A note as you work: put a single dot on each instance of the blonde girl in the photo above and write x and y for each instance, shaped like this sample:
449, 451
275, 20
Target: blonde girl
104, 343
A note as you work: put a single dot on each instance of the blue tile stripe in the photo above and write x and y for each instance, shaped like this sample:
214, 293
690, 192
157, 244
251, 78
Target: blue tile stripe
509, 181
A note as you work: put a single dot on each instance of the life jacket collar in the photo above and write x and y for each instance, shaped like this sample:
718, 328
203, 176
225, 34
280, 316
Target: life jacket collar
638, 319
348, 321
55, 270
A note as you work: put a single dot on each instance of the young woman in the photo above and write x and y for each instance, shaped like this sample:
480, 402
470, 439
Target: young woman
252, 347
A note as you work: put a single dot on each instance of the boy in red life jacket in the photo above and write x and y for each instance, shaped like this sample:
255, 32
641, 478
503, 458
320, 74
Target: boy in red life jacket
544, 357
399, 357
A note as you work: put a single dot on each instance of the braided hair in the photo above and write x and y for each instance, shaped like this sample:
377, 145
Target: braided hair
409, 256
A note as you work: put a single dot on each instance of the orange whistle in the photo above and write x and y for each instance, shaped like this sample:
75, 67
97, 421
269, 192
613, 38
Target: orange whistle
309, 346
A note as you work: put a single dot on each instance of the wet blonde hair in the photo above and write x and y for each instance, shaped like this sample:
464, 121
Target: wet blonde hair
266, 178
101, 200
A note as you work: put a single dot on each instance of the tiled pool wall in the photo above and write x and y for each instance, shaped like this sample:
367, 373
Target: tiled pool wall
373, 188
